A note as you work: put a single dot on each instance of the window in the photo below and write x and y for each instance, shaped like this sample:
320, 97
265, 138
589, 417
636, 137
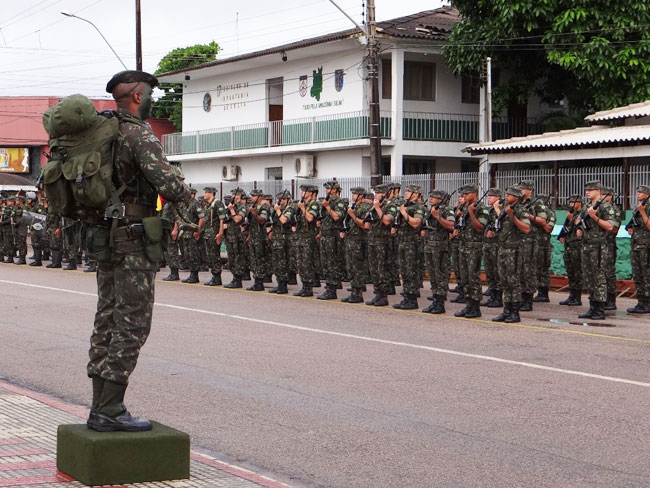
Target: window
471, 88
416, 166
419, 81
469, 165
274, 173
386, 78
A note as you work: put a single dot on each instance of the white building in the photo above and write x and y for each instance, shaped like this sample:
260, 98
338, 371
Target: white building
300, 110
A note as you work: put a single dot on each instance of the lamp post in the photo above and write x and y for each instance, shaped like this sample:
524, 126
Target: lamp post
68, 14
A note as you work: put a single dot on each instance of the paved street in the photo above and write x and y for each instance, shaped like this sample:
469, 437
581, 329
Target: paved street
326, 394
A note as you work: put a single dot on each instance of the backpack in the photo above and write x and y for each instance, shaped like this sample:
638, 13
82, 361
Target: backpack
78, 175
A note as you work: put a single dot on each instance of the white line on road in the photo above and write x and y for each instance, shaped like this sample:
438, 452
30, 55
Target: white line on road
365, 338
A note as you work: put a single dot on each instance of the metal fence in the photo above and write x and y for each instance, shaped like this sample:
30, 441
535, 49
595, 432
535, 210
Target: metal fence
543, 178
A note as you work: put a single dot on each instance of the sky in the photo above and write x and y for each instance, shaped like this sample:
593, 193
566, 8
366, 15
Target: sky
44, 53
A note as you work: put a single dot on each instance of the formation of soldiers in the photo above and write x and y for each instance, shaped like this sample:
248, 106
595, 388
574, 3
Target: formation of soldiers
385, 239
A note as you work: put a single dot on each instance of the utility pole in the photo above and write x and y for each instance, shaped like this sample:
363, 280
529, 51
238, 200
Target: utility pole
373, 88
488, 101
138, 37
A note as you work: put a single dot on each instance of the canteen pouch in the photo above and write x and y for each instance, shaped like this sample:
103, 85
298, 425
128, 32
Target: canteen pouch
57, 188
98, 243
153, 238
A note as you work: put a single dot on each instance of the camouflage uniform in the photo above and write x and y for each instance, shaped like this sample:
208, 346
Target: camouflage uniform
330, 242
379, 244
356, 238
640, 256
54, 234
408, 240
173, 251
234, 243
610, 267
38, 236
125, 281
280, 244
6, 236
543, 249
491, 257
573, 257
529, 247
215, 213
20, 232
191, 215
259, 242
306, 245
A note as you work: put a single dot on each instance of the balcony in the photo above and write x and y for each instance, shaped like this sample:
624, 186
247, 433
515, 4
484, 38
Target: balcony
417, 126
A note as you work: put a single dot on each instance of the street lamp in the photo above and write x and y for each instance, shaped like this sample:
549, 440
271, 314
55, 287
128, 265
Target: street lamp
68, 14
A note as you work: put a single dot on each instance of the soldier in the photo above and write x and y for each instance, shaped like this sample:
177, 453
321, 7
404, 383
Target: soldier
639, 229
191, 227
469, 228
55, 237
258, 215
394, 189
596, 220
381, 218
306, 230
610, 268
354, 233
332, 213
408, 223
235, 213
19, 229
38, 234
4, 223
491, 253
544, 220
281, 217
125, 281
215, 213
455, 252
572, 251
512, 223
173, 253
9, 241
438, 225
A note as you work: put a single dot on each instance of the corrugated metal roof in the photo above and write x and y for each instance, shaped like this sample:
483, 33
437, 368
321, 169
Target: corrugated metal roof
567, 139
635, 110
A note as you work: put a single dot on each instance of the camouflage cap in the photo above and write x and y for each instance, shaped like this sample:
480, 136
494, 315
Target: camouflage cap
593, 185
345, 200
494, 192
283, 194
369, 196
414, 189
575, 198
468, 189
381, 188
644, 189
19, 198
607, 190
267, 196
193, 191
256, 192
131, 76
358, 190
526, 184
237, 191
210, 189
441, 194
514, 190
332, 184
544, 197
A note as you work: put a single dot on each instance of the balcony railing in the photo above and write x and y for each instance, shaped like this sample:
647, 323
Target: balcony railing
417, 126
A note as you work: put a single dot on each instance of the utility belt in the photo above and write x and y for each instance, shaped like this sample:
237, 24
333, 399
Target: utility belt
151, 236
594, 242
472, 244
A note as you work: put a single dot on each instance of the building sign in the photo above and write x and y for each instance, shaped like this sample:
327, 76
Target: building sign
233, 96
327, 104
14, 160
303, 85
338, 79
317, 87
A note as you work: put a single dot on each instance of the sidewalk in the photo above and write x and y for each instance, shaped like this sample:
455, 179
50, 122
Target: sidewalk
28, 424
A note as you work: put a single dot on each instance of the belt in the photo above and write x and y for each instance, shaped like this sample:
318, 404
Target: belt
128, 232
137, 210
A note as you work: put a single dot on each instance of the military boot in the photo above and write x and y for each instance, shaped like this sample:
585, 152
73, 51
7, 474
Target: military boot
21, 259
611, 302
410, 302
307, 291
355, 296
293, 280
98, 386
235, 283
192, 278
111, 414
599, 311
432, 305
9, 260
380, 300
642, 306
56, 260
526, 302
589, 313
391, 290
507, 311
542, 295
495, 301
490, 295
258, 285
247, 276
282, 288
215, 280
38, 256
72, 264
316, 283
464, 310
460, 298
474, 311
91, 269
330, 293
173, 275
46, 256
488, 292
514, 313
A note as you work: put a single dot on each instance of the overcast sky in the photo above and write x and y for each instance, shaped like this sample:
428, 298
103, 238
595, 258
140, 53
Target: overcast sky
45, 53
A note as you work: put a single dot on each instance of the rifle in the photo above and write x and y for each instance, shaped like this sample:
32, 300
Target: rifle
346, 220
568, 225
373, 215
636, 215
587, 222
445, 200
498, 224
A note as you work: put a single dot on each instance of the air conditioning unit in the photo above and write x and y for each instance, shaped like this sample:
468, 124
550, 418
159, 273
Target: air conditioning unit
230, 172
305, 166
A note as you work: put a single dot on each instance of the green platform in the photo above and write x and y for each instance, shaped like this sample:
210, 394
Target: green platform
97, 458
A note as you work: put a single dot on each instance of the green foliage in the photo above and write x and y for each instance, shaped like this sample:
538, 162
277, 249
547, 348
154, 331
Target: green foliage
170, 105
594, 53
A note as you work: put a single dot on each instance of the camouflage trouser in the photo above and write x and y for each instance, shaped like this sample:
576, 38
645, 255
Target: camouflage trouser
55, 243
355, 262
280, 257
234, 249
212, 252
573, 265
306, 248
510, 270
594, 261
38, 238
379, 260
173, 253
640, 260
409, 265
470, 269
125, 291
258, 255
610, 266
455, 259
293, 253
4, 247
420, 262
543, 262
190, 250
21, 240
393, 259
245, 252
438, 259
318, 268
528, 276
491, 263
341, 258
330, 261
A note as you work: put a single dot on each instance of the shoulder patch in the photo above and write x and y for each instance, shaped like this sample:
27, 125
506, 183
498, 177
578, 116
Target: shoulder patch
153, 138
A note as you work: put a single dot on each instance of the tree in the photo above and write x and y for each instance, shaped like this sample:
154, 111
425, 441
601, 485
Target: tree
170, 105
593, 53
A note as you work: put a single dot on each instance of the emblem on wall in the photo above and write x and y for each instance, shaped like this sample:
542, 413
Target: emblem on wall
303, 85
317, 87
338, 79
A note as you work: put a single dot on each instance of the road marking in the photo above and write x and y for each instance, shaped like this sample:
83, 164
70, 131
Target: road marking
367, 339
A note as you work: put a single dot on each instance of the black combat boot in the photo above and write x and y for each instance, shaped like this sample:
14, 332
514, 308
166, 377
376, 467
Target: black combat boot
464, 310
282, 288
514, 313
542, 295
258, 285
46, 256
192, 278
488, 293
495, 301
611, 302
391, 290
111, 414
410, 302
474, 311
316, 283
642, 306
72, 264
38, 256
380, 300
456, 289
589, 313
307, 291
330, 293
355, 296
235, 283
173, 275
9, 260
214, 281
56, 260
507, 311
92, 268
98, 386
293, 280
460, 298
21, 259
526, 302
247, 276
432, 305
599, 311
